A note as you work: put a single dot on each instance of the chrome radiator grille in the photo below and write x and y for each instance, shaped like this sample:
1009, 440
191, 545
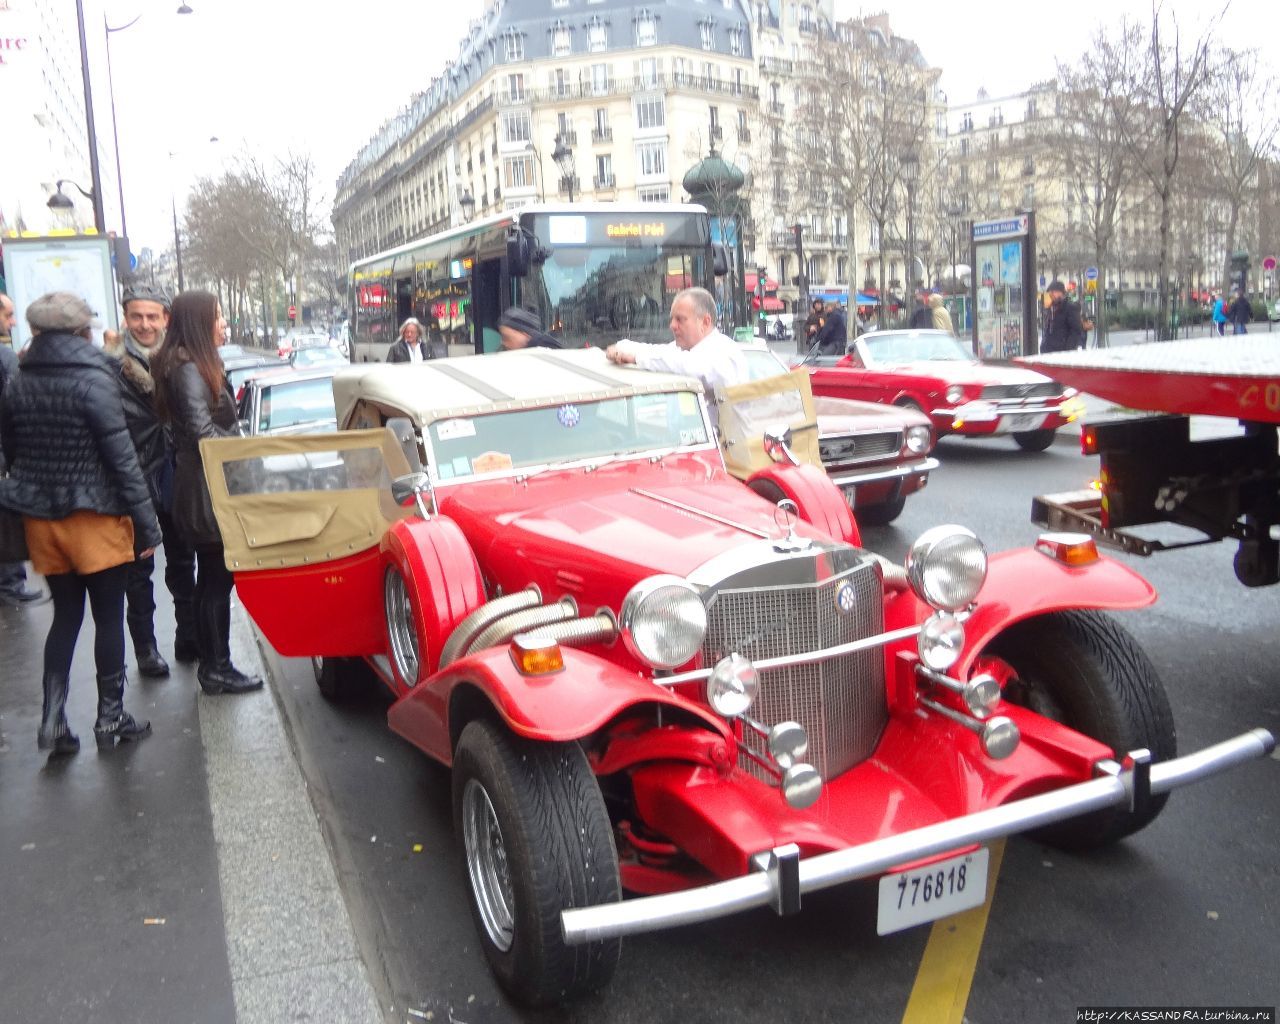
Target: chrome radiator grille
840, 703
859, 447
1022, 392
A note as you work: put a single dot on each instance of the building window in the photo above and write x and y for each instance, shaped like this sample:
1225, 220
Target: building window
516, 126
518, 171
560, 84
647, 73
597, 36
650, 112
515, 88
515, 46
646, 29
599, 79
654, 194
561, 41
735, 41
707, 31
604, 170
602, 120
651, 159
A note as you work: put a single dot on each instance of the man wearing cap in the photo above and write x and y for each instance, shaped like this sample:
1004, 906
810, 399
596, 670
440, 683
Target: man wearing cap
1063, 330
146, 314
699, 350
13, 575
521, 328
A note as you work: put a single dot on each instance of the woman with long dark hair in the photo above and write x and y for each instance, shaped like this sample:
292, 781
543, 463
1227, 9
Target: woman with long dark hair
192, 394
87, 512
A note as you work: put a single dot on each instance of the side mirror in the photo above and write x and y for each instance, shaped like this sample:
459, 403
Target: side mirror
412, 486
407, 437
720, 259
777, 445
518, 252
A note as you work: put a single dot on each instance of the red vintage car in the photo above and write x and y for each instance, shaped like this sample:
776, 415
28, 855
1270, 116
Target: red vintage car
935, 373
649, 680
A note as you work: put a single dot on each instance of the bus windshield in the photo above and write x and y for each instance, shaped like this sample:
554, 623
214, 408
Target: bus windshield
602, 277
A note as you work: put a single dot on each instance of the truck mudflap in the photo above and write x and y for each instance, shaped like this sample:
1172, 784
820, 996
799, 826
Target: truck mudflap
783, 877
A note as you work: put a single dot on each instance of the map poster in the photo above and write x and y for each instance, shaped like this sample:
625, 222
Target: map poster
75, 263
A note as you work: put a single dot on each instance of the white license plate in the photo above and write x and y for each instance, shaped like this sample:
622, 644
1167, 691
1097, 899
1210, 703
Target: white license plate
946, 887
1022, 421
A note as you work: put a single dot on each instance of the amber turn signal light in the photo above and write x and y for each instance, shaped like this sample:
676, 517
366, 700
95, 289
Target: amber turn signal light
1068, 548
536, 655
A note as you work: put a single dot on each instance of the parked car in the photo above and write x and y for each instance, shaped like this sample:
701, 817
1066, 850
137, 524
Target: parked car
230, 353
294, 340
240, 368
281, 402
877, 455
935, 373
315, 357
647, 678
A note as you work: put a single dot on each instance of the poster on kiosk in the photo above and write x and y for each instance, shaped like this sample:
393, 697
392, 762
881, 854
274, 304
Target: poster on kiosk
1004, 288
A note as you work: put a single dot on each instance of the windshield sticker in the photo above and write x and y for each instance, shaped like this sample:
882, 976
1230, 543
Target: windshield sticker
446, 471
688, 403
568, 415
451, 430
461, 466
491, 462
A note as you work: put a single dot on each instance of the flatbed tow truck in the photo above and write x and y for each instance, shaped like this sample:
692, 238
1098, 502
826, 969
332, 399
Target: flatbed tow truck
1153, 471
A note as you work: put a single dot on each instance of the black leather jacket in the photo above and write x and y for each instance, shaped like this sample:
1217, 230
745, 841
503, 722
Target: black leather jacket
195, 415
65, 439
138, 393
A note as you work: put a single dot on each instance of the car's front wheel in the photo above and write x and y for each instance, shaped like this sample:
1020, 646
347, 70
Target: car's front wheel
1082, 669
535, 839
1034, 440
882, 514
342, 679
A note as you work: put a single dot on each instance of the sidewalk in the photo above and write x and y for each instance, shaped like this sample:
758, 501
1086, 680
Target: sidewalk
184, 878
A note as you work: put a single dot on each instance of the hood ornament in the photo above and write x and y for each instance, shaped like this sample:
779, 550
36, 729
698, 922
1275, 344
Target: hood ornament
785, 515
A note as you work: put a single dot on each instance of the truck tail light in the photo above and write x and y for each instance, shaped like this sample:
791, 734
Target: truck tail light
536, 655
1088, 440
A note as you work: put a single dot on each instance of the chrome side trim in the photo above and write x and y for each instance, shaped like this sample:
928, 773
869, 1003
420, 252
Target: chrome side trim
896, 473
760, 889
806, 658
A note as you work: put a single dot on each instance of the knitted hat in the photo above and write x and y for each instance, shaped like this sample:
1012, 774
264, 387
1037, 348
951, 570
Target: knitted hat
144, 292
522, 320
60, 311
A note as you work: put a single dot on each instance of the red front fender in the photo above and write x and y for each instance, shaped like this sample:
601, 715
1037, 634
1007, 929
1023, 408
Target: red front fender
820, 502
567, 705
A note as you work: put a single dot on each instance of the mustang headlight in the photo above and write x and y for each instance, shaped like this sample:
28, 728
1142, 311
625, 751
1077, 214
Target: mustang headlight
918, 438
663, 621
955, 394
947, 566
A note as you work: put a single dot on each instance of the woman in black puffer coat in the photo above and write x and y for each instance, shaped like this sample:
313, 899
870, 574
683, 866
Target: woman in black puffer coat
87, 512
192, 394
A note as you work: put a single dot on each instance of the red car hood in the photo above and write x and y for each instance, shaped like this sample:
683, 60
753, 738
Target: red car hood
961, 372
650, 521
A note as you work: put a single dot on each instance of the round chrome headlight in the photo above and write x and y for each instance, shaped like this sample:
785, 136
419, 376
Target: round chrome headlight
947, 566
940, 642
663, 621
732, 686
955, 394
918, 438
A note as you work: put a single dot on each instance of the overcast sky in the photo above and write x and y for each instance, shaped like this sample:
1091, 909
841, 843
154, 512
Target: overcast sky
267, 75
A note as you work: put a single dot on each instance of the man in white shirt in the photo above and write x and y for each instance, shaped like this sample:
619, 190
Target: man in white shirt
699, 350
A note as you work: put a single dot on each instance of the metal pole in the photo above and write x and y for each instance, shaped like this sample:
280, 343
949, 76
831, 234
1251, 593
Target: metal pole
115, 128
99, 218
177, 240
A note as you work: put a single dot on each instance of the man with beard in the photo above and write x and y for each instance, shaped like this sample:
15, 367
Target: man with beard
1063, 330
146, 314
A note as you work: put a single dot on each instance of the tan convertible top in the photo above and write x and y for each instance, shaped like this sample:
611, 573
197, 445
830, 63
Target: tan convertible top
472, 385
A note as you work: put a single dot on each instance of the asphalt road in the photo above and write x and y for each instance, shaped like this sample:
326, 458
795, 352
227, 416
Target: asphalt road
1184, 912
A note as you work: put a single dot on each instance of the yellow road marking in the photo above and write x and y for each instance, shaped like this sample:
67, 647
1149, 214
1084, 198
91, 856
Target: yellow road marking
941, 990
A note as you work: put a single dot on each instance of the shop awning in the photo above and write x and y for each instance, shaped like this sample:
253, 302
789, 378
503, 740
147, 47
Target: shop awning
772, 304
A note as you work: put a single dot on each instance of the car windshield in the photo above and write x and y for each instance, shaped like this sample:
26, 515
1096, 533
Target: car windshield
240, 373
762, 364
495, 442
911, 347
318, 357
293, 403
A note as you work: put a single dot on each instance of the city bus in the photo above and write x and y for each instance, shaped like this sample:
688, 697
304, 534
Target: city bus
594, 272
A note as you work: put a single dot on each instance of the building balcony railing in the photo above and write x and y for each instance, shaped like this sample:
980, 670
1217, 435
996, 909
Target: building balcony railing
569, 183
744, 134
776, 66
569, 138
676, 81
604, 181
775, 108
599, 135
716, 133
781, 239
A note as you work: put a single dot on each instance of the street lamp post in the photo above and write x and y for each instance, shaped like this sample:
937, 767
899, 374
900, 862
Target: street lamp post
95, 173
542, 178
563, 156
911, 174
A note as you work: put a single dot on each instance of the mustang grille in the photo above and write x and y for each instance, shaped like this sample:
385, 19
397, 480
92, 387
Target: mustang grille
1018, 392
859, 447
840, 703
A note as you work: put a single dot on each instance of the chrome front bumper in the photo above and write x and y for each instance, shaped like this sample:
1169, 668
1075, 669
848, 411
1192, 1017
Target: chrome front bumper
873, 476
784, 877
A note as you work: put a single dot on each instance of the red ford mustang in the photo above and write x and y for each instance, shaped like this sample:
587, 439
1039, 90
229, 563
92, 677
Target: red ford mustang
934, 372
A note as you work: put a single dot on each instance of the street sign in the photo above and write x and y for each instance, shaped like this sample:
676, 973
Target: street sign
1269, 263
1091, 273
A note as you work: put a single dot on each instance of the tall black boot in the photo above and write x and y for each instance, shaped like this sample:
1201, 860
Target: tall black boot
54, 733
115, 724
216, 674
150, 661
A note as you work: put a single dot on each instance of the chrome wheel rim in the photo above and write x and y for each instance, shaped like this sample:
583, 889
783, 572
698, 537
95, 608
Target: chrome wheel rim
400, 627
487, 867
